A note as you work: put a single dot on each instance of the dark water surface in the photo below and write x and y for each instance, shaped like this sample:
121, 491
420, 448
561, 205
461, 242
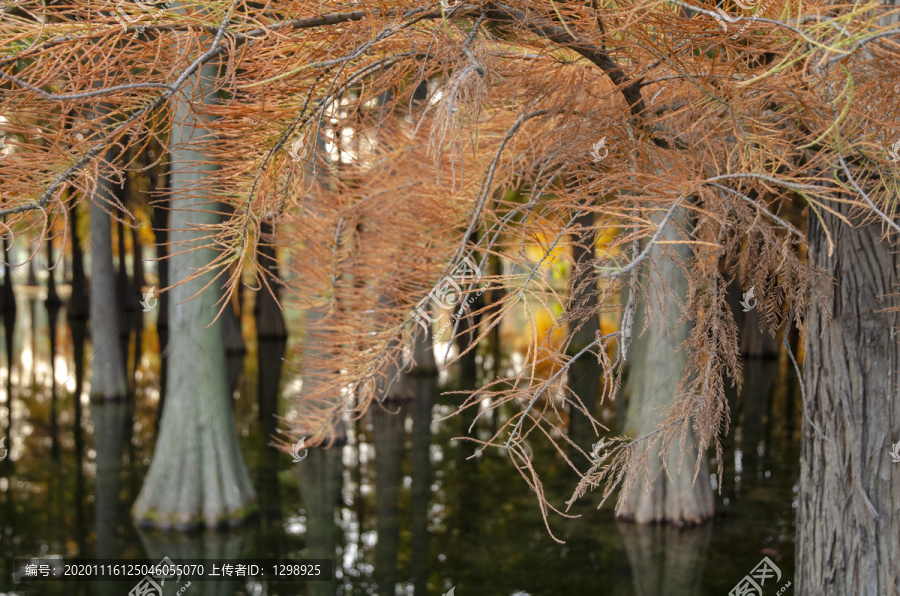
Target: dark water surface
399, 506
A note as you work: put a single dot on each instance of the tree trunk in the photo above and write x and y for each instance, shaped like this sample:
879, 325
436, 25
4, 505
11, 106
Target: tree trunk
425, 388
320, 486
8, 312
108, 369
197, 476
269, 318
656, 368
585, 374
848, 528
161, 234
388, 438
78, 300
122, 282
583, 284
137, 289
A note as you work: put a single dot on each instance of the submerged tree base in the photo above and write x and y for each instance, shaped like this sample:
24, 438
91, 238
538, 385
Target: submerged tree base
198, 477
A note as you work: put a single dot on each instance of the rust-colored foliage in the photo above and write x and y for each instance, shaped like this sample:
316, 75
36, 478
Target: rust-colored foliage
387, 141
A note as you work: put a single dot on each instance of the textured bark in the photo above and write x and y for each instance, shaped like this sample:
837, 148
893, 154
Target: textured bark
657, 364
848, 527
108, 364
197, 476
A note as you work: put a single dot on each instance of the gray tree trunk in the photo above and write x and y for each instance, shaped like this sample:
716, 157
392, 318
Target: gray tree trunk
108, 369
657, 364
197, 476
848, 526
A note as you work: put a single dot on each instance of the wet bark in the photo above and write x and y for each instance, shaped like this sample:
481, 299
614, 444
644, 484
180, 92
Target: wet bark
848, 527
198, 475
656, 366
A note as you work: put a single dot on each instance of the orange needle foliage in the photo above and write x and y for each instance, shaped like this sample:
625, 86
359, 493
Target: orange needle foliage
387, 140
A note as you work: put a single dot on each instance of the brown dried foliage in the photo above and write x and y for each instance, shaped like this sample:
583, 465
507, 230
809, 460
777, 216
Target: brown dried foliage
393, 189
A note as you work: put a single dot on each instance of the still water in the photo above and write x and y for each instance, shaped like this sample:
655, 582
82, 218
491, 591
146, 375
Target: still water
399, 508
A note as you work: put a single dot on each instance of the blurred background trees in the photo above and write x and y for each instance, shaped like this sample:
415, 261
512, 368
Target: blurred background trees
358, 154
